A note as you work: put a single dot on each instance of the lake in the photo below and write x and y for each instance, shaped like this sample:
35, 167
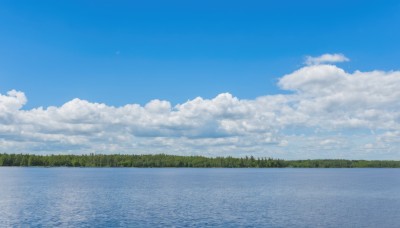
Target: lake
183, 197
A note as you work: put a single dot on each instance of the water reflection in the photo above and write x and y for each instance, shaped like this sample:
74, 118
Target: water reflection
71, 197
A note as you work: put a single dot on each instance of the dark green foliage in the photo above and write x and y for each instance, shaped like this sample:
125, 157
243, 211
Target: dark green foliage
163, 160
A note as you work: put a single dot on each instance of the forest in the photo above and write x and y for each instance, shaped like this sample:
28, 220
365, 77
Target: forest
164, 160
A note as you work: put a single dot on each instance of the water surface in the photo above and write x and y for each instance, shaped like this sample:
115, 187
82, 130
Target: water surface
182, 197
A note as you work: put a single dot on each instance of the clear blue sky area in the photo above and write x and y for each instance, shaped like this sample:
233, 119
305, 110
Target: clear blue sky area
120, 52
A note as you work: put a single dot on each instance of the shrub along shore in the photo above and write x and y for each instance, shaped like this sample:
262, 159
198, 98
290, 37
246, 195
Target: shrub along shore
164, 160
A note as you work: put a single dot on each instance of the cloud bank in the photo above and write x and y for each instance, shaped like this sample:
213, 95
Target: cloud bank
328, 113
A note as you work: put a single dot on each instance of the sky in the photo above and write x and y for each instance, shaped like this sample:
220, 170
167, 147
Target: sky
287, 79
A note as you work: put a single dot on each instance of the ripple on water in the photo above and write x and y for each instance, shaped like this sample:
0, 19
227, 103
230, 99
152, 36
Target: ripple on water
114, 197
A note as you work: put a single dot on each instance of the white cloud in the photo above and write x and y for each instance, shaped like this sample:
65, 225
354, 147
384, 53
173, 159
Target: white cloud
326, 58
330, 113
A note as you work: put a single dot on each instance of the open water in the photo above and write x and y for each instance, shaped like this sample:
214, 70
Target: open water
182, 197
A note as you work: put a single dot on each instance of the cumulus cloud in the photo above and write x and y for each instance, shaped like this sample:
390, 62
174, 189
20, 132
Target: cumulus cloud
326, 58
329, 113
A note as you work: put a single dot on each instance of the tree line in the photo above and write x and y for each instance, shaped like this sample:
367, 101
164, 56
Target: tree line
164, 160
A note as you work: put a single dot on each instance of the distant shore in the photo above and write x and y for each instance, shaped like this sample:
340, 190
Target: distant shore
164, 160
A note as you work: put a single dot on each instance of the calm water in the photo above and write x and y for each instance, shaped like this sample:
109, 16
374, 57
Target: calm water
114, 197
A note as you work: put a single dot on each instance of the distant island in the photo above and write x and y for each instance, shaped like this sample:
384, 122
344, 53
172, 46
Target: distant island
164, 160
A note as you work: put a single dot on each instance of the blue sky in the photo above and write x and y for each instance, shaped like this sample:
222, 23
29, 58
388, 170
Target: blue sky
120, 52
287, 79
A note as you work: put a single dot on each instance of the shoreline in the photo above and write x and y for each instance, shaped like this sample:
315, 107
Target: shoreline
175, 161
